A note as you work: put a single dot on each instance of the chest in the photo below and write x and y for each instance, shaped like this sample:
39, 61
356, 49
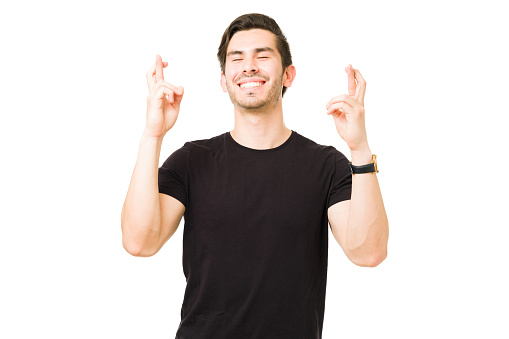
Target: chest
287, 189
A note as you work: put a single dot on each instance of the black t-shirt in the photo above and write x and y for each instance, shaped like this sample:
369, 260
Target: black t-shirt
255, 241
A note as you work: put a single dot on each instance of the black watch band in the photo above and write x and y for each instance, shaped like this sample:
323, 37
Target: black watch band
369, 168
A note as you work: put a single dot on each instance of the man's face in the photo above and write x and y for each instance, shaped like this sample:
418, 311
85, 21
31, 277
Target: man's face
253, 71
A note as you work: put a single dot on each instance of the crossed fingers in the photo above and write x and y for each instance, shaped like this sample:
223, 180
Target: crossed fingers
155, 73
356, 84
344, 104
156, 83
353, 103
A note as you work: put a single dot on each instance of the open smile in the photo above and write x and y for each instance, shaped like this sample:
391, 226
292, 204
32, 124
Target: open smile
251, 83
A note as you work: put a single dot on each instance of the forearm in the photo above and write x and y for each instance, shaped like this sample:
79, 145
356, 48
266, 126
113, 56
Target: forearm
141, 214
368, 229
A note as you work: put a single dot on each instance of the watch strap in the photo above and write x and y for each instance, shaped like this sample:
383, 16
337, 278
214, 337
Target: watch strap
369, 168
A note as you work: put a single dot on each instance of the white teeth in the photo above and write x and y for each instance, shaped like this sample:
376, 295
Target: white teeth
251, 84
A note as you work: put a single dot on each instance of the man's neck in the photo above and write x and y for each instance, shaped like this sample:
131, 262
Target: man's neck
261, 129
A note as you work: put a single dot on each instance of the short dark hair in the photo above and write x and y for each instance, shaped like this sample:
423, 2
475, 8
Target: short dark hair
251, 21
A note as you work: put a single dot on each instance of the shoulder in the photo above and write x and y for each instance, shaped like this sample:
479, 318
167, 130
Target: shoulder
203, 150
193, 151
206, 144
313, 147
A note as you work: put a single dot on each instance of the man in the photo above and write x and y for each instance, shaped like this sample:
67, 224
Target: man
256, 200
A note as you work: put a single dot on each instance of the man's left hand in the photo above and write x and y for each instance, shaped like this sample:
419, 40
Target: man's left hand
348, 112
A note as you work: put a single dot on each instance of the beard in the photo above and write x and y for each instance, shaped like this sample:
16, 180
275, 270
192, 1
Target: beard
249, 101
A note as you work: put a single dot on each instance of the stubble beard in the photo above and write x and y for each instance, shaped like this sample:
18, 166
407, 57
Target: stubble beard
253, 104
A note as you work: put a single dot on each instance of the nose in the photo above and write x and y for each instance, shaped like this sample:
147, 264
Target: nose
250, 66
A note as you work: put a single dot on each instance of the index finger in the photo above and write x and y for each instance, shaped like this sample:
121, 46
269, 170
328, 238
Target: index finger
151, 79
159, 68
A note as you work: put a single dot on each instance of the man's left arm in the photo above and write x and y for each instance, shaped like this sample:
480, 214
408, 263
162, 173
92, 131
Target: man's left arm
360, 225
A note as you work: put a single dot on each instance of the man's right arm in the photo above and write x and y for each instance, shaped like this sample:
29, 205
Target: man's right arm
149, 218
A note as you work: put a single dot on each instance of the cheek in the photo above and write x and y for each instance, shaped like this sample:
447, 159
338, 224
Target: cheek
231, 72
275, 70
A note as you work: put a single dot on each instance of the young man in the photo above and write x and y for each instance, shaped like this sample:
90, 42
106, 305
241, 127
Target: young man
256, 200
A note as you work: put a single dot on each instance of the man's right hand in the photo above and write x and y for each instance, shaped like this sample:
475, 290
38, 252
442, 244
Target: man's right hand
163, 101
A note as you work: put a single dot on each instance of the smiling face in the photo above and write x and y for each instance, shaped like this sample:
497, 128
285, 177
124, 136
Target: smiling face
253, 76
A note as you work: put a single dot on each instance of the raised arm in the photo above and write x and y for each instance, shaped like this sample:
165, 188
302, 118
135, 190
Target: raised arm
360, 225
148, 218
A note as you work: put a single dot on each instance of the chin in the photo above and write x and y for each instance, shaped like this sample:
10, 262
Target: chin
251, 105
247, 103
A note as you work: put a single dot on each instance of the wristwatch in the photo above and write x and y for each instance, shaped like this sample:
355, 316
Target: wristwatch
369, 168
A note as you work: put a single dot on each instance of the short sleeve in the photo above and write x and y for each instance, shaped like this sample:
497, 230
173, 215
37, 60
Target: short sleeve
342, 180
173, 175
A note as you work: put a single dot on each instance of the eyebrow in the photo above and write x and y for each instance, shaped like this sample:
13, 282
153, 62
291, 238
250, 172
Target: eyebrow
256, 50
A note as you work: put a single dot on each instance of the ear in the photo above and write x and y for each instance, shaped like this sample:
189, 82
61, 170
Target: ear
289, 76
223, 83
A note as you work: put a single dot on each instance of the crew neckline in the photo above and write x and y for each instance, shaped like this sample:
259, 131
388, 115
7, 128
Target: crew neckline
287, 141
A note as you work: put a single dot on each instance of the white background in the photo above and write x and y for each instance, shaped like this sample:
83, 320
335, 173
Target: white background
73, 103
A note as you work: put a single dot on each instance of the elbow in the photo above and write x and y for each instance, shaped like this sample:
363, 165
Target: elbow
134, 242
369, 260
374, 261
136, 249
373, 253
135, 245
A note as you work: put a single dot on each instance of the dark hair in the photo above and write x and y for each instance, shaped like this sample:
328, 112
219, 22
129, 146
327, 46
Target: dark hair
251, 21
